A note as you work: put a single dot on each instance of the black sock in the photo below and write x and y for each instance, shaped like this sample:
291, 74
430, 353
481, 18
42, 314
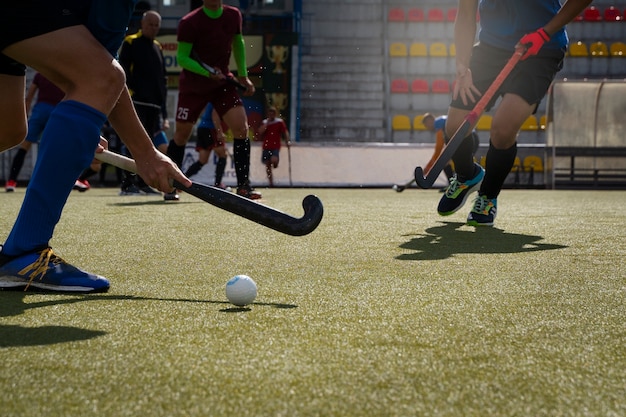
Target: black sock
86, 174
464, 160
219, 170
18, 161
194, 169
176, 152
241, 155
498, 164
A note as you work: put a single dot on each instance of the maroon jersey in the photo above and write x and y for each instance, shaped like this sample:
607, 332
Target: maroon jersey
273, 134
212, 39
48, 92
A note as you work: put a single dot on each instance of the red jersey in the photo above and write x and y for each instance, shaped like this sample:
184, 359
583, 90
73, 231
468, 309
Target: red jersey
47, 91
273, 133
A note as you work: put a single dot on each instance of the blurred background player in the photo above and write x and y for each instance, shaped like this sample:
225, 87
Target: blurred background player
48, 96
210, 34
141, 56
272, 131
210, 138
438, 125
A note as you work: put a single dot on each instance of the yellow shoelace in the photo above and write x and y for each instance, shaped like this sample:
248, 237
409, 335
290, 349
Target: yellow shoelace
39, 268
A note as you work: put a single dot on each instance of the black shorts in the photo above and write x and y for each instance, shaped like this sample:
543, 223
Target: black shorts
530, 79
29, 18
207, 139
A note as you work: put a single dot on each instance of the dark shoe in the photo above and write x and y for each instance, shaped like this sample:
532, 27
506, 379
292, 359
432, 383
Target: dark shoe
131, 189
457, 192
248, 192
484, 211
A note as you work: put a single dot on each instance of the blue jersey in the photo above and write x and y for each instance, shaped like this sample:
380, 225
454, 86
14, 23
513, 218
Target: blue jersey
440, 123
206, 121
504, 22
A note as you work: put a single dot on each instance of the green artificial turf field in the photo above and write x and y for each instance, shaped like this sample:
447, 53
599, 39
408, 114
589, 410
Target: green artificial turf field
386, 309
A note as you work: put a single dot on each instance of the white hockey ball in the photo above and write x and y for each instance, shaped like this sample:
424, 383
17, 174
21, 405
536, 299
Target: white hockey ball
241, 290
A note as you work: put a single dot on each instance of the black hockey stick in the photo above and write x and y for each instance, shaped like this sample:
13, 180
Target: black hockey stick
469, 121
401, 187
241, 206
213, 71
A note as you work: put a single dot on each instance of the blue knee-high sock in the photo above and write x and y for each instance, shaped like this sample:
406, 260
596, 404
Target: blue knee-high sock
66, 148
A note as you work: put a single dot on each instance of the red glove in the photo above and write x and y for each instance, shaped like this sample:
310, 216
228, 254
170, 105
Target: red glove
533, 42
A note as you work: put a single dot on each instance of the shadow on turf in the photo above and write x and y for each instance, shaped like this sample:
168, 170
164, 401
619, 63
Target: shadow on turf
449, 239
13, 303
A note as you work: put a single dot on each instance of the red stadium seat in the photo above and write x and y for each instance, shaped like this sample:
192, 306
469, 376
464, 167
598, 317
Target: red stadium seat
395, 14
435, 15
420, 85
399, 85
592, 14
452, 14
612, 14
415, 15
441, 86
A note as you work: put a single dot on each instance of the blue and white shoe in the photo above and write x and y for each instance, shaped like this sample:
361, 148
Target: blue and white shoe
457, 192
44, 270
484, 211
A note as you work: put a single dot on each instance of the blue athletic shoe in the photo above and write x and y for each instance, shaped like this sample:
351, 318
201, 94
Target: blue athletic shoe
457, 192
44, 270
484, 211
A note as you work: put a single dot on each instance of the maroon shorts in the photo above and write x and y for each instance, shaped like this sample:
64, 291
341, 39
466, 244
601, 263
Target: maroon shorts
196, 91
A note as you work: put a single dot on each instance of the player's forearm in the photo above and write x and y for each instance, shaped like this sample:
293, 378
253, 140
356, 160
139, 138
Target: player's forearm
239, 53
568, 12
465, 32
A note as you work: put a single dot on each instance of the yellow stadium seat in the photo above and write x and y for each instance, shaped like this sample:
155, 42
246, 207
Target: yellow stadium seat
398, 49
578, 49
483, 161
401, 122
530, 123
452, 49
533, 163
438, 49
599, 49
484, 123
417, 122
418, 49
543, 122
618, 49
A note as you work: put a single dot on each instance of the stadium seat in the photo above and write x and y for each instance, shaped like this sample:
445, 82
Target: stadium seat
614, 25
543, 122
435, 26
516, 169
483, 161
399, 85
421, 99
452, 50
417, 122
415, 15
532, 164
418, 49
438, 61
441, 86
396, 14
530, 123
418, 63
435, 15
401, 128
484, 122
451, 14
599, 59
401, 122
398, 49
577, 62
420, 86
592, 23
399, 99
617, 63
